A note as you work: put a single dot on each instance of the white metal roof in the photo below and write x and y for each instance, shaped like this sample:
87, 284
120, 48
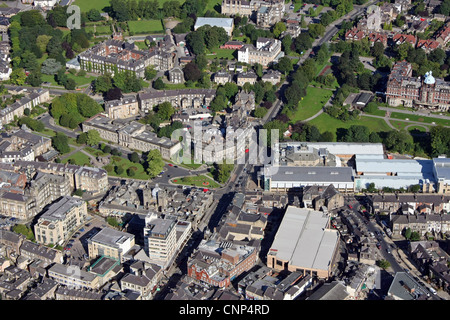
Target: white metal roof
303, 240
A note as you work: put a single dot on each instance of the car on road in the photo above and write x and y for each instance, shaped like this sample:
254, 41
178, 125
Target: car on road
82, 230
350, 206
388, 251
170, 165
378, 245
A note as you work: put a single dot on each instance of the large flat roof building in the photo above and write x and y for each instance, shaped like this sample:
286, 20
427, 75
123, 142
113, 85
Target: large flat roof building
111, 243
226, 23
283, 178
304, 243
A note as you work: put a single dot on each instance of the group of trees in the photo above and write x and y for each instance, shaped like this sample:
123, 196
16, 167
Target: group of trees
162, 113
437, 60
206, 38
221, 172
112, 87
31, 37
70, 109
125, 10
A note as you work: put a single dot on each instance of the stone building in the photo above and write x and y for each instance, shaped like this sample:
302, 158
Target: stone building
134, 135
186, 98
126, 107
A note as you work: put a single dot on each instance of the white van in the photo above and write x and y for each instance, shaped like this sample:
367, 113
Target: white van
432, 290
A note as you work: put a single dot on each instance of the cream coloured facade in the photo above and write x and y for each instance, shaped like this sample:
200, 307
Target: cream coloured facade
124, 108
111, 243
58, 222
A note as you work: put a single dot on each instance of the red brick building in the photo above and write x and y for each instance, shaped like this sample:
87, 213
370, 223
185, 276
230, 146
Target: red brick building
232, 45
219, 263
427, 92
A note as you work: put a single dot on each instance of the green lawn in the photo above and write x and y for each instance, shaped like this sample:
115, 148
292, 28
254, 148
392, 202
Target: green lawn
325, 122
418, 128
102, 5
125, 164
197, 181
99, 29
78, 80
213, 5
146, 26
86, 5
413, 117
222, 54
94, 152
314, 100
80, 159
141, 45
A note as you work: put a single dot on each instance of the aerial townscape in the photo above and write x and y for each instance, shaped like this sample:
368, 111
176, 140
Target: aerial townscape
232, 150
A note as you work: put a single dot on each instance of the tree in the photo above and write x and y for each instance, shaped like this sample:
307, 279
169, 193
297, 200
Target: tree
231, 89
42, 41
103, 83
131, 172
94, 15
154, 163
278, 29
192, 72
50, 66
316, 30
408, 233
82, 138
260, 112
286, 43
221, 172
18, 77
118, 170
158, 84
165, 110
134, 157
93, 137
113, 94
218, 103
70, 84
34, 78
284, 65
383, 264
150, 72
201, 61
61, 143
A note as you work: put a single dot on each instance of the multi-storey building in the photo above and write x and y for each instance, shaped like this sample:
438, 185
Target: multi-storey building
121, 109
266, 12
17, 108
111, 243
176, 75
33, 251
218, 263
185, 98
305, 243
160, 239
265, 52
57, 223
73, 277
133, 136
22, 145
93, 180
25, 203
428, 92
113, 56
